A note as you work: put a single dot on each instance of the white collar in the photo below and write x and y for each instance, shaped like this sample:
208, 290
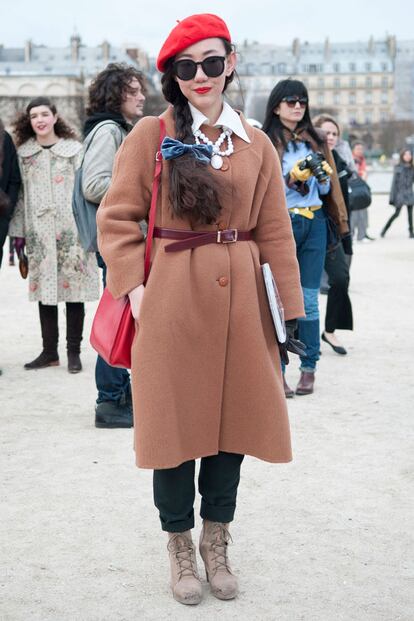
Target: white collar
228, 118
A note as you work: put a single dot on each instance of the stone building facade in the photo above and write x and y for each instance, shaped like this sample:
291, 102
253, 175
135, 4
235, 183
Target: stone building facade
364, 84
63, 74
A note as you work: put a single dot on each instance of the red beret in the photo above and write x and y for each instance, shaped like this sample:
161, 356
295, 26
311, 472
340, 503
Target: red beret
189, 31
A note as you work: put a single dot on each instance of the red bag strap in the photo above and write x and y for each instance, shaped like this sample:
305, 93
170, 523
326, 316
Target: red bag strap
153, 208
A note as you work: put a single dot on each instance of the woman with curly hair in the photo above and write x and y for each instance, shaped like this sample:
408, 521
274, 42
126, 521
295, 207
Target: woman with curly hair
59, 269
206, 377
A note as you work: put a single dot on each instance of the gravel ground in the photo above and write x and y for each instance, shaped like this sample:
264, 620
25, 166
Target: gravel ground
328, 536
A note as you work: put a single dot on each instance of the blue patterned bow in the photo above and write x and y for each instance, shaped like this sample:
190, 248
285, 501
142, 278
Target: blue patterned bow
171, 148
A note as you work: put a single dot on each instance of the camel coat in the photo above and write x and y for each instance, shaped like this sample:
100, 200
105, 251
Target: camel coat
206, 371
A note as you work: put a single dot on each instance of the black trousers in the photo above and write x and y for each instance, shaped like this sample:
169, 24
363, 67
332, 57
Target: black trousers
4, 227
395, 216
338, 307
218, 480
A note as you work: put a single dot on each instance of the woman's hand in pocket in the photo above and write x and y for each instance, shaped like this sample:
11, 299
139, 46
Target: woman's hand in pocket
135, 298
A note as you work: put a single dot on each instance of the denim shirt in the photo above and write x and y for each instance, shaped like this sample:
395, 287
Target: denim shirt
316, 189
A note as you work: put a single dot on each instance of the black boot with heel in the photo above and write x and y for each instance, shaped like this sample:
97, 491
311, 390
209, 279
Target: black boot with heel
50, 336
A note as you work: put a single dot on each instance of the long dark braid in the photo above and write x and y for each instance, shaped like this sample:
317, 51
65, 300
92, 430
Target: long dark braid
194, 192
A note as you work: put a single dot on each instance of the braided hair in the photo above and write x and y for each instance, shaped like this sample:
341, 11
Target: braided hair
194, 192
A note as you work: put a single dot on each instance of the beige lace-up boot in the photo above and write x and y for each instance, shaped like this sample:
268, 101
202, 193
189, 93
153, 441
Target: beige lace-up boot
214, 540
185, 581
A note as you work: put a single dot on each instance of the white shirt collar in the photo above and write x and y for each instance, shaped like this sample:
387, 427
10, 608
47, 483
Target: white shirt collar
228, 118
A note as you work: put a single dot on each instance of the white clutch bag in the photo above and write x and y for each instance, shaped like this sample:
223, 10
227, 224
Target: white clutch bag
275, 303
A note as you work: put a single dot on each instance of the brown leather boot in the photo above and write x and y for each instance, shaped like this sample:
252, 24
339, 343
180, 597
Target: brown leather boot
289, 392
214, 540
185, 581
306, 382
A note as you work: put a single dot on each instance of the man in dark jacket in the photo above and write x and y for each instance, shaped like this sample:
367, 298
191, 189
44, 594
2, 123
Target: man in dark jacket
10, 182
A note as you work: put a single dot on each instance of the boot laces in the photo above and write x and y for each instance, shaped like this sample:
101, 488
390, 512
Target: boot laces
183, 550
221, 538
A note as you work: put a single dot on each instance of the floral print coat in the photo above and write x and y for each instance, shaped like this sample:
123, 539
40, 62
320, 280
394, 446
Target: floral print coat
59, 269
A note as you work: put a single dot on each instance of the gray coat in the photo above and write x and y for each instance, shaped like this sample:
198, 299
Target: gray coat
101, 146
402, 186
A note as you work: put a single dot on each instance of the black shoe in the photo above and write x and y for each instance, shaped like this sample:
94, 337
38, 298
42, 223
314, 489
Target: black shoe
44, 360
112, 414
337, 348
369, 238
74, 362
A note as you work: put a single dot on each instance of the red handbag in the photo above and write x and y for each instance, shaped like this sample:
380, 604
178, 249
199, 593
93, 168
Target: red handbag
113, 327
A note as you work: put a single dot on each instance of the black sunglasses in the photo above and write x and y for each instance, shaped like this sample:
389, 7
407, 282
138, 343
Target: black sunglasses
212, 66
292, 100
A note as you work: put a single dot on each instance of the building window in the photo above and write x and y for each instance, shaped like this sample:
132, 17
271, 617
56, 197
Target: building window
352, 67
352, 98
384, 67
336, 67
352, 117
384, 82
337, 83
352, 83
368, 117
368, 97
282, 67
384, 97
337, 98
313, 68
321, 83
368, 82
320, 99
368, 67
384, 115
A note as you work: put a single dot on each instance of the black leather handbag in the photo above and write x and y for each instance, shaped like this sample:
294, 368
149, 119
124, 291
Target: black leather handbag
359, 194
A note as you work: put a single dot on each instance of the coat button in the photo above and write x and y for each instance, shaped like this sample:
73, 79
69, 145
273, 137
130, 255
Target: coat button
223, 281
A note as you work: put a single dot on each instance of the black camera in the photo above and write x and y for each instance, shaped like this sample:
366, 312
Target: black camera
313, 161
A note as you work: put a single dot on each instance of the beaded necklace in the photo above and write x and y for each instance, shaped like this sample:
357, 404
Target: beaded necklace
217, 157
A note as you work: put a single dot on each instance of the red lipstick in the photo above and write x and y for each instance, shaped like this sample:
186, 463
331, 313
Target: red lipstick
203, 90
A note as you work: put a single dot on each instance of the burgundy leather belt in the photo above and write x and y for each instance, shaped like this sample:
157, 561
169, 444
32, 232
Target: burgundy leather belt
193, 239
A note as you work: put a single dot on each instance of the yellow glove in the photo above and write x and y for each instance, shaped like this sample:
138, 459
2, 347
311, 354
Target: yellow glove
300, 175
327, 168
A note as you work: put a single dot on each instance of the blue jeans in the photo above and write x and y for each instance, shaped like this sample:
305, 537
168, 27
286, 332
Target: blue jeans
311, 239
113, 384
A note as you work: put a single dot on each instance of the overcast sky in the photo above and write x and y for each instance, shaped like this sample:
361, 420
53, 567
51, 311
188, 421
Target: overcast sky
51, 22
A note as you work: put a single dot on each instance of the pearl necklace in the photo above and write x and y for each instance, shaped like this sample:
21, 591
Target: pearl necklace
217, 157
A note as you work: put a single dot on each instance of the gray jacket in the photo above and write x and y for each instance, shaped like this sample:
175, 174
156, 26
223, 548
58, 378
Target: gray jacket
106, 139
402, 186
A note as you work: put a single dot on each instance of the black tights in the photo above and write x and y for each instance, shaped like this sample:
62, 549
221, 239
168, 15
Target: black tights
395, 216
75, 313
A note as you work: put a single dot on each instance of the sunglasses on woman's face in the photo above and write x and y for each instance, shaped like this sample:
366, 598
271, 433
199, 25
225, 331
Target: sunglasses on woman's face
292, 100
212, 67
